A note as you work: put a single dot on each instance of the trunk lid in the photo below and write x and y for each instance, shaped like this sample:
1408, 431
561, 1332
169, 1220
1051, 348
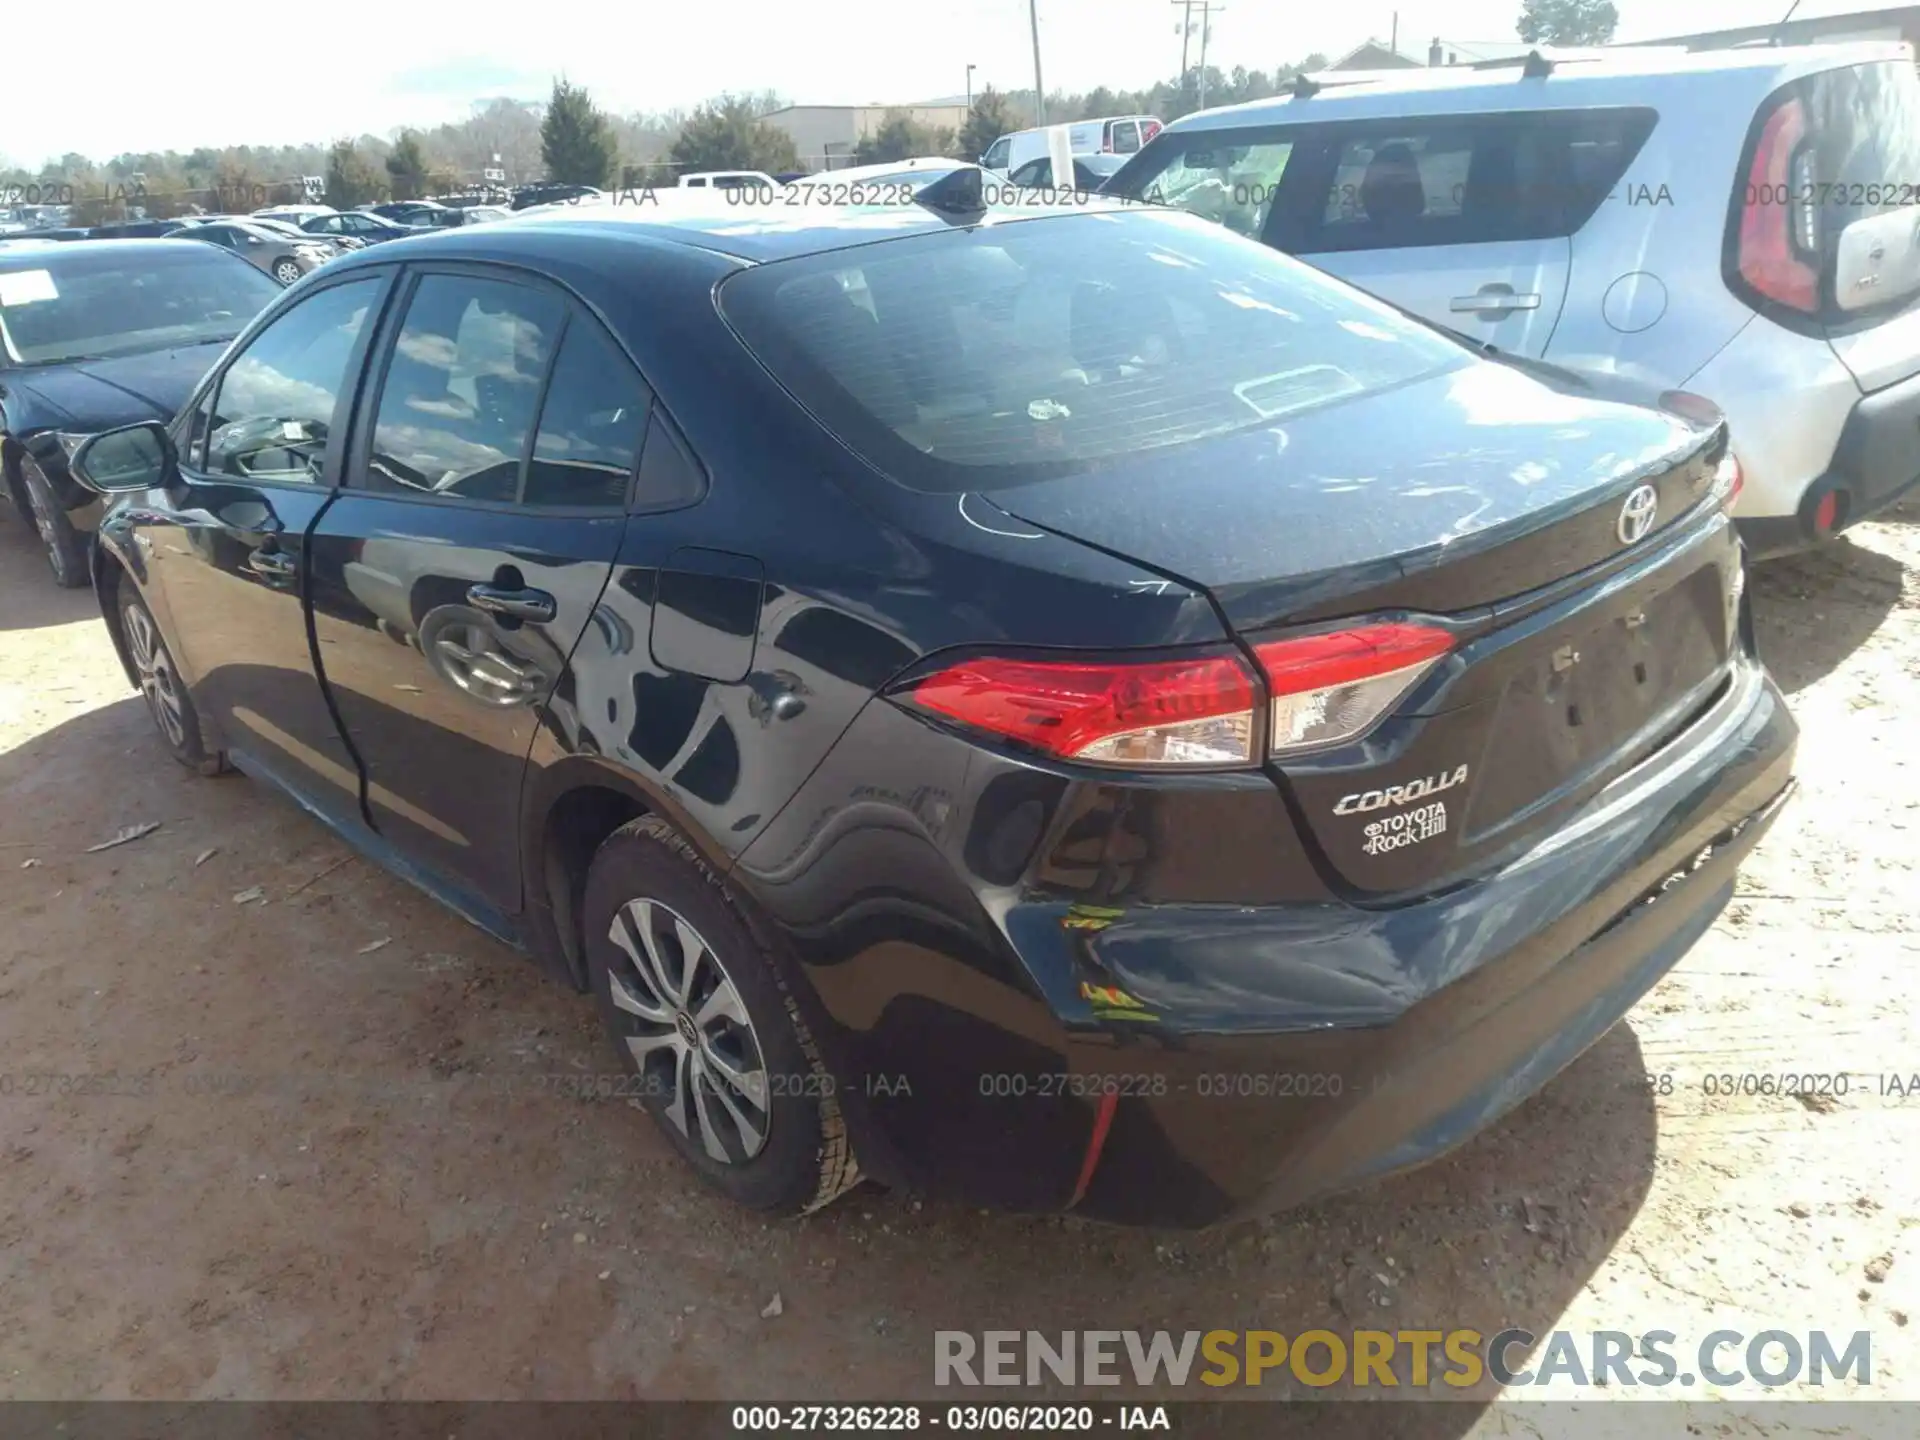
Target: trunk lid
1445, 495
1496, 504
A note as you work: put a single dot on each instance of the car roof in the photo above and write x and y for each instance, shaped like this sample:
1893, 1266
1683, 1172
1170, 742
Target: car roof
1617, 75
707, 220
130, 245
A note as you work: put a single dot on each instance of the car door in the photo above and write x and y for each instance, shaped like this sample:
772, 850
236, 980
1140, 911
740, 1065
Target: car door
482, 511
1465, 220
264, 449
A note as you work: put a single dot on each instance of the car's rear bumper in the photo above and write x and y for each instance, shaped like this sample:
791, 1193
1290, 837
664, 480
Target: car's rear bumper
1876, 462
1178, 1063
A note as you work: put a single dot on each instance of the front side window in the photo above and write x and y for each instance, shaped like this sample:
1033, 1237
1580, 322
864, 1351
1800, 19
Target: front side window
977, 358
996, 155
1221, 178
275, 405
462, 388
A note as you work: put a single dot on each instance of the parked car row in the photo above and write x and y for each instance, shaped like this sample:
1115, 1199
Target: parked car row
1740, 225
960, 688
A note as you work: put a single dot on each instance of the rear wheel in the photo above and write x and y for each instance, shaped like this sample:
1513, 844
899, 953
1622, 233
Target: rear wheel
66, 546
162, 688
706, 1026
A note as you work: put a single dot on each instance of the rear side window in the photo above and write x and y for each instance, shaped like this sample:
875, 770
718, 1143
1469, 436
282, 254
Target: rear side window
590, 427
462, 388
1455, 181
1125, 137
988, 356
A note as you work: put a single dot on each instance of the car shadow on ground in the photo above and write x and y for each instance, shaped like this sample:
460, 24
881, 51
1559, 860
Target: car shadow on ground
1505, 1232
1814, 609
32, 599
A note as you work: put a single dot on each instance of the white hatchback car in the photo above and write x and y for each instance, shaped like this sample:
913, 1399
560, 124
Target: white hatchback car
1742, 225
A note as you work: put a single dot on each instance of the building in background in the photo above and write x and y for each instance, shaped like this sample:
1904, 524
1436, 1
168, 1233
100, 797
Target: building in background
1372, 54
1813, 23
825, 135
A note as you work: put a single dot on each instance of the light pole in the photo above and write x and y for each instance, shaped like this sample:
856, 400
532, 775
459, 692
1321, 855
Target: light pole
1039, 87
970, 70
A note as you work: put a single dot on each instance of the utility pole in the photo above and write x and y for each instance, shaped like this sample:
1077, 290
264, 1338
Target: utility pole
970, 70
1207, 11
1039, 87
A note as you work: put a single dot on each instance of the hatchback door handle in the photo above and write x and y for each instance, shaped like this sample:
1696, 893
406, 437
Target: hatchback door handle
1493, 302
519, 604
272, 564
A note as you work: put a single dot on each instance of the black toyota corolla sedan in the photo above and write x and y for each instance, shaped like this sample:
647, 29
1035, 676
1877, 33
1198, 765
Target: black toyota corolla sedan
1062, 707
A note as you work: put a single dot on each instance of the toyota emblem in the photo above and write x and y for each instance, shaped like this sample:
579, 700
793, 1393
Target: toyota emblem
1636, 516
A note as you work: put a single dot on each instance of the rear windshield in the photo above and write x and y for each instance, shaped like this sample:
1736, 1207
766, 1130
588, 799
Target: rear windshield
98, 302
1023, 349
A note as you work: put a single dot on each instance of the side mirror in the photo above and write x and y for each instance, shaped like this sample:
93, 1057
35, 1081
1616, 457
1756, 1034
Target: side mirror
255, 240
133, 458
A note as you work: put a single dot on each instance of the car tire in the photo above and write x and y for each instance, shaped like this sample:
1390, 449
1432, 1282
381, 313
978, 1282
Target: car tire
286, 271
66, 546
680, 1035
168, 702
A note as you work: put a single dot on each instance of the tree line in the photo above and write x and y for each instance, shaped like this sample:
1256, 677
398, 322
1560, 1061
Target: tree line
572, 140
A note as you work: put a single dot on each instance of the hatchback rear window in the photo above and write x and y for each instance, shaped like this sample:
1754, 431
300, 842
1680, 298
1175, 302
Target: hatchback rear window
987, 356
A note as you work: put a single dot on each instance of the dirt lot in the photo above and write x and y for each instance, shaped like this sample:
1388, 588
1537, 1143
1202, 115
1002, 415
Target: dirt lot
400, 1225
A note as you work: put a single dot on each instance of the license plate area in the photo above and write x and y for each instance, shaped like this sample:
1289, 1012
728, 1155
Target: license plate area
1598, 696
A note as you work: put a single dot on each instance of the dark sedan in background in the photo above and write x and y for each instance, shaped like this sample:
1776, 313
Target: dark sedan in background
95, 336
1056, 704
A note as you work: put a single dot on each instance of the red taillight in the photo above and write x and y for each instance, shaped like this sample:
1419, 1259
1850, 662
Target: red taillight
1826, 513
1689, 406
1728, 480
1778, 211
1197, 711
1331, 688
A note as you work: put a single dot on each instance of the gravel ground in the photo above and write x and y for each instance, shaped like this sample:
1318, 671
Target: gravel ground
416, 1219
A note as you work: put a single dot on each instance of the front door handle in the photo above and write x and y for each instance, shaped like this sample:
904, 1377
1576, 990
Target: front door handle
1493, 302
534, 605
272, 564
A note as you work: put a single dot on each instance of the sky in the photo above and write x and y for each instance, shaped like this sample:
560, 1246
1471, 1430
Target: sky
138, 78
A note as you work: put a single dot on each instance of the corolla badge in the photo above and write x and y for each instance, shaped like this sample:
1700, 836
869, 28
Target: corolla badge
1636, 516
1362, 801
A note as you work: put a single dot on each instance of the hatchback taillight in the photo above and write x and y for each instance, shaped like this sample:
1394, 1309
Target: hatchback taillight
1779, 224
1196, 711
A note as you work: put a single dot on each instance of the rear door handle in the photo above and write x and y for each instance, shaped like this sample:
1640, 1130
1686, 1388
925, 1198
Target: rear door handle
519, 604
1493, 302
272, 564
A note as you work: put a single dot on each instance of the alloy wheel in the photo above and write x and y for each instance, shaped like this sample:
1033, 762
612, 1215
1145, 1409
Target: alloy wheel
689, 1032
286, 272
158, 681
